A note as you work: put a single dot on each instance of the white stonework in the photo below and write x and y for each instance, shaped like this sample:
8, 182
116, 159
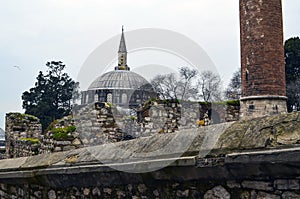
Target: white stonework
259, 106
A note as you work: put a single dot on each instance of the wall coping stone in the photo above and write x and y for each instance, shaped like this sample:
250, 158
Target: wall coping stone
253, 157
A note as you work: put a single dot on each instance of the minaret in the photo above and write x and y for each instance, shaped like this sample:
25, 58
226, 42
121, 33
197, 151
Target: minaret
262, 58
122, 54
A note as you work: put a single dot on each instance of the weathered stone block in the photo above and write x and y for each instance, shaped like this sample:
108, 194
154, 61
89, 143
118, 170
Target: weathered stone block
68, 148
258, 185
263, 195
287, 184
290, 195
51, 194
217, 193
233, 184
96, 192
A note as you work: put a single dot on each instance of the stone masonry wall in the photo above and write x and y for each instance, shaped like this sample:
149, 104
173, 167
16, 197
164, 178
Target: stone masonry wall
246, 189
262, 107
22, 134
102, 123
254, 159
61, 135
239, 176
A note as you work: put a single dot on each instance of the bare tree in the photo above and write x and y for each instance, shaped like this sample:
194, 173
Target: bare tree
209, 86
189, 85
186, 87
170, 86
166, 86
233, 90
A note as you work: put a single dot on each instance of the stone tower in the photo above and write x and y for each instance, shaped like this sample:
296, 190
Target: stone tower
262, 58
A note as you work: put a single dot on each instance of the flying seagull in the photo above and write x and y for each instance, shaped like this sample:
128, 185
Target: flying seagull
18, 67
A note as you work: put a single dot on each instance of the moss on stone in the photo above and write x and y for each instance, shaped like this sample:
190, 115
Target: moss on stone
233, 102
22, 116
31, 140
265, 132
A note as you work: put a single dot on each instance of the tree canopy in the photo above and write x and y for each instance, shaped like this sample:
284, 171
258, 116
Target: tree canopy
292, 67
189, 85
51, 97
171, 86
233, 90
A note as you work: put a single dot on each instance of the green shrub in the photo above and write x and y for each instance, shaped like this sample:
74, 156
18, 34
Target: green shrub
61, 133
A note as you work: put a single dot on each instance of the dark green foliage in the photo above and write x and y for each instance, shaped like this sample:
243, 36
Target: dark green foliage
292, 59
292, 67
51, 97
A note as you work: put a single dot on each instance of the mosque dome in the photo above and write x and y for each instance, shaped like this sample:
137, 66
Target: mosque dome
119, 79
120, 86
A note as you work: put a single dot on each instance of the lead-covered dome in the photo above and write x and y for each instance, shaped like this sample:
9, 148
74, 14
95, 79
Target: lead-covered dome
119, 79
121, 87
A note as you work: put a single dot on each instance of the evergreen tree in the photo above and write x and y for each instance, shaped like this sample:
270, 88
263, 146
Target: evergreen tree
51, 97
292, 67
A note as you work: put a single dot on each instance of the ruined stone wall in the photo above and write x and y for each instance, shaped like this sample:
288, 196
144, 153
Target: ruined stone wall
232, 113
61, 135
102, 123
22, 135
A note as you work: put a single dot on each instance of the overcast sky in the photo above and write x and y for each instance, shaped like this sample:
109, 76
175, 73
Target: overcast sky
33, 32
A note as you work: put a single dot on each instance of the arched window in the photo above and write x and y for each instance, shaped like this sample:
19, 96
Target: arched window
124, 98
109, 97
96, 98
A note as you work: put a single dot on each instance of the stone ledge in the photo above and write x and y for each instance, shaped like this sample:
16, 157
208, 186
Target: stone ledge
263, 97
250, 146
234, 167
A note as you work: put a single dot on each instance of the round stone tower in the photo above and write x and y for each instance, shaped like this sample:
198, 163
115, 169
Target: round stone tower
262, 58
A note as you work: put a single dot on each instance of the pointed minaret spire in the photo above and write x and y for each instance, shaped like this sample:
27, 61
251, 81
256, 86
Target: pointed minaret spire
122, 47
122, 54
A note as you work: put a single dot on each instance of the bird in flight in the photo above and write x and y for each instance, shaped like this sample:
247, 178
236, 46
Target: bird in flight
18, 67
